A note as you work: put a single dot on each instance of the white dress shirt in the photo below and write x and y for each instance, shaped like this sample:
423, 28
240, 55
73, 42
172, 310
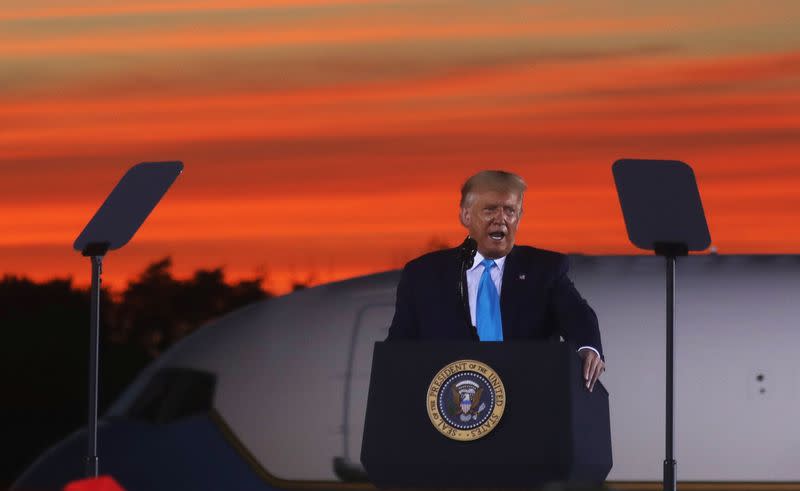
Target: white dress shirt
474, 278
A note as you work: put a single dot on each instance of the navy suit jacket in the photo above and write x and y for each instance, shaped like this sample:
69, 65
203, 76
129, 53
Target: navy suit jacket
537, 300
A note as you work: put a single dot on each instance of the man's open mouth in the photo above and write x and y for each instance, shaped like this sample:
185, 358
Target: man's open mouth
497, 235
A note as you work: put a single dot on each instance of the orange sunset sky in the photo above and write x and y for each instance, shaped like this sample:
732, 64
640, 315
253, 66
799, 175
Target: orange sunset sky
328, 138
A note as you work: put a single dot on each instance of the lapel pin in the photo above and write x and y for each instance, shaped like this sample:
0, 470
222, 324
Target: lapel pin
522, 276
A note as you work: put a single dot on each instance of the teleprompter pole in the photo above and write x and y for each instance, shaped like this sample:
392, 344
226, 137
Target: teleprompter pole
670, 251
95, 253
670, 471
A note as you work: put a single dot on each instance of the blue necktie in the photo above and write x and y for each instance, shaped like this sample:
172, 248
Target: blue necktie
490, 327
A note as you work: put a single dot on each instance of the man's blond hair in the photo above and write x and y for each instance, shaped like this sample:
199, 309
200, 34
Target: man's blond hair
492, 180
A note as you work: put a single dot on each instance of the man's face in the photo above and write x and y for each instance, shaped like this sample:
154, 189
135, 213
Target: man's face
492, 219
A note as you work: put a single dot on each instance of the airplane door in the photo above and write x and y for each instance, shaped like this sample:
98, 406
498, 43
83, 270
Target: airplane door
372, 324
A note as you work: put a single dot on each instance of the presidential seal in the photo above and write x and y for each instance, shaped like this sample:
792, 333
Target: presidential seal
466, 400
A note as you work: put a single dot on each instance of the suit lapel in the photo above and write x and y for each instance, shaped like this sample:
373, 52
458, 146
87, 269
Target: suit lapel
511, 292
451, 272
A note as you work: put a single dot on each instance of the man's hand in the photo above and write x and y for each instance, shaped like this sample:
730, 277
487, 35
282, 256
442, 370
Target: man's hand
593, 367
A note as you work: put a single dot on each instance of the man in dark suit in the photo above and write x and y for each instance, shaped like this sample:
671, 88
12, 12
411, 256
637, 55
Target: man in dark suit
514, 292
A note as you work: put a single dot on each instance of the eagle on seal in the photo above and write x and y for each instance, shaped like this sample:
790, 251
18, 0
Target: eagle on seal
464, 404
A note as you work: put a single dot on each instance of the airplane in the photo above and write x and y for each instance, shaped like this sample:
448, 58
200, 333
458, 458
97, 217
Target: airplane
273, 395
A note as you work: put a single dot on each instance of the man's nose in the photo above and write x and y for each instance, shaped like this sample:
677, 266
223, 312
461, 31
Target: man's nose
498, 217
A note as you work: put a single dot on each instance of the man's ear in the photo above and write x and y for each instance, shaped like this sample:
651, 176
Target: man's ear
464, 216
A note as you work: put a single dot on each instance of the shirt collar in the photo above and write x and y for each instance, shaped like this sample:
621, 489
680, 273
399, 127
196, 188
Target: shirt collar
479, 257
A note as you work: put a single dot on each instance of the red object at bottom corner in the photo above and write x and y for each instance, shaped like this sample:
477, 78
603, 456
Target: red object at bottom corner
102, 483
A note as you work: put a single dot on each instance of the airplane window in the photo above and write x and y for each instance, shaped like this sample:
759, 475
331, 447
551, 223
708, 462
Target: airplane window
172, 394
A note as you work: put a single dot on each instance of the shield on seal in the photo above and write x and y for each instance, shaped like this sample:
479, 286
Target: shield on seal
466, 393
466, 402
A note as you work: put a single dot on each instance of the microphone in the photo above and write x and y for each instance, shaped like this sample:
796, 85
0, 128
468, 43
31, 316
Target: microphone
466, 252
467, 249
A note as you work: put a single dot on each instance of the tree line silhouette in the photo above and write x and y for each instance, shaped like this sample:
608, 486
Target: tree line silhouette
45, 346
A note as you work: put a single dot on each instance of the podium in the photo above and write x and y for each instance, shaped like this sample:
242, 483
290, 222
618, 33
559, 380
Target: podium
551, 428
